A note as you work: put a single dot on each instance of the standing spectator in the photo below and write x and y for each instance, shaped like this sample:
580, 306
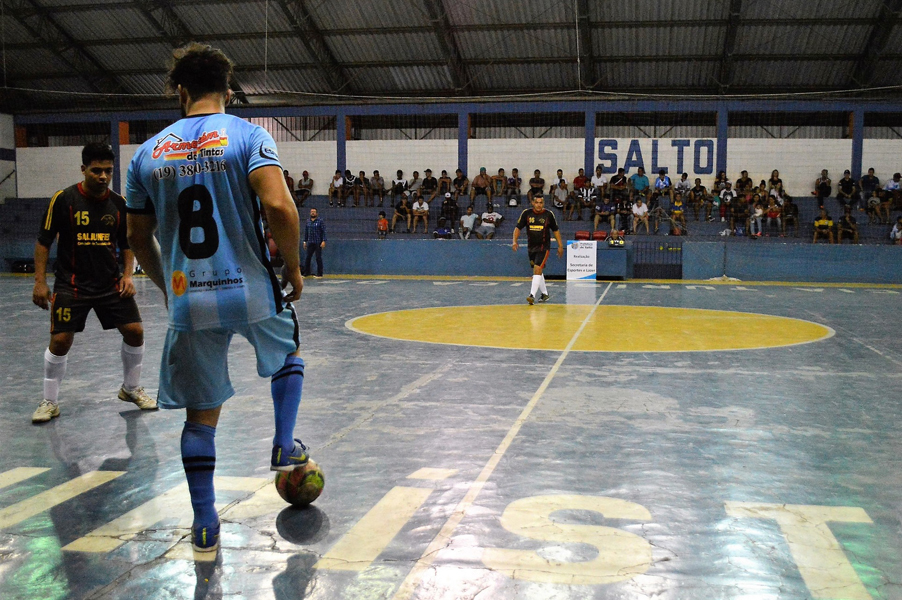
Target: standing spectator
336, 189
640, 215
482, 186
305, 188
398, 187
848, 227
450, 210
536, 186
823, 226
377, 187
499, 182
895, 234
489, 220
402, 211
848, 190
823, 187
420, 211
382, 225
790, 214
699, 199
639, 184
430, 186
467, 224
461, 185
289, 180
314, 242
619, 186
512, 189
445, 185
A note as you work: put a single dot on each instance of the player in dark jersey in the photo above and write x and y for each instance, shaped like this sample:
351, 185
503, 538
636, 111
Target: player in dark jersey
539, 224
89, 220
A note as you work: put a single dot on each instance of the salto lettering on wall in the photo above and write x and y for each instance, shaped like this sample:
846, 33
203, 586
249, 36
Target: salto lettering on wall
695, 156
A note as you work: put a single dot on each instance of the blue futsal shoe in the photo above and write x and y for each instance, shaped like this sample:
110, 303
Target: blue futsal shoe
282, 461
205, 539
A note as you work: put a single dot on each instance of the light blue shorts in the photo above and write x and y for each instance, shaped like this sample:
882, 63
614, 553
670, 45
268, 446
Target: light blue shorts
195, 371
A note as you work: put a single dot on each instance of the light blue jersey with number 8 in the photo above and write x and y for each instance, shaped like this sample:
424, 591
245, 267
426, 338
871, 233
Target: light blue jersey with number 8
193, 176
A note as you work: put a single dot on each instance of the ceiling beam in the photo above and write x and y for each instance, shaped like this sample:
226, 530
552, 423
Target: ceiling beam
305, 30
725, 80
53, 37
441, 27
863, 74
169, 26
587, 73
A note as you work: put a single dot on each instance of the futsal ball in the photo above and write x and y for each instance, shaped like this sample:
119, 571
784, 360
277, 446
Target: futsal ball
301, 486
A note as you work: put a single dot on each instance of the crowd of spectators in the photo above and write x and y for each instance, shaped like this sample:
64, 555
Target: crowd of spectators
629, 204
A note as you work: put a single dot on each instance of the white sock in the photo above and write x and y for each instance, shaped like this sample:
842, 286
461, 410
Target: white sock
132, 357
542, 287
54, 371
536, 279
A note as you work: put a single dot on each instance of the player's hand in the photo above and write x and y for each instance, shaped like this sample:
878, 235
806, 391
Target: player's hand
515, 246
126, 287
323, 244
560, 251
297, 285
41, 295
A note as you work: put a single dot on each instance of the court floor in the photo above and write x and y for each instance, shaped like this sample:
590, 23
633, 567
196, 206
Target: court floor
626, 440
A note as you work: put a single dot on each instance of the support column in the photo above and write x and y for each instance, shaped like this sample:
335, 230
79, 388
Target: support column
857, 118
118, 136
341, 141
722, 129
463, 140
590, 143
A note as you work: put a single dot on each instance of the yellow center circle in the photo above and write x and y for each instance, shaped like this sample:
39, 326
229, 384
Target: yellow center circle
609, 329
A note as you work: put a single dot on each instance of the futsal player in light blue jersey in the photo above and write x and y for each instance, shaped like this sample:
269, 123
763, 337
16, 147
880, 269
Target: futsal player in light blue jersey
200, 183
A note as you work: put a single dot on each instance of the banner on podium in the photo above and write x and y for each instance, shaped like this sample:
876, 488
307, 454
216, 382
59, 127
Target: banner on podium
581, 259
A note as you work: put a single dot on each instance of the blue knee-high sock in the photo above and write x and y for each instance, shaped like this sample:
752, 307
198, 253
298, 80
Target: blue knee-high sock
199, 460
286, 387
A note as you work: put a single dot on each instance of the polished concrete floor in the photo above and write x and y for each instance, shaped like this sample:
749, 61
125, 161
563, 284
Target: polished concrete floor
627, 440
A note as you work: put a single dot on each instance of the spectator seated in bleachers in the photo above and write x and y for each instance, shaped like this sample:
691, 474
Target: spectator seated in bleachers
445, 184
624, 214
336, 189
398, 187
678, 209
756, 219
560, 197
467, 224
442, 231
366, 189
420, 210
488, 222
480, 186
683, 186
663, 188
305, 188
738, 211
351, 188
619, 186
790, 214
847, 190
377, 187
745, 186
414, 185
847, 229
450, 211
891, 199
499, 182
724, 200
598, 184
895, 234
823, 188
536, 186
512, 188
430, 187
605, 212
775, 187
639, 185
774, 213
700, 200
402, 212
640, 215
461, 185
823, 226
869, 185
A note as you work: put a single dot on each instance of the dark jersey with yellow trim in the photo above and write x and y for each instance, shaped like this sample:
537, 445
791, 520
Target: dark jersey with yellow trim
89, 230
538, 229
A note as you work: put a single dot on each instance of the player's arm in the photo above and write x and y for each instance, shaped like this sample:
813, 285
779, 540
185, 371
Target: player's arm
126, 286
41, 295
143, 244
521, 223
269, 185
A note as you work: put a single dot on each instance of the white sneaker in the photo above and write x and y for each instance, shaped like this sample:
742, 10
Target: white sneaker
139, 397
46, 410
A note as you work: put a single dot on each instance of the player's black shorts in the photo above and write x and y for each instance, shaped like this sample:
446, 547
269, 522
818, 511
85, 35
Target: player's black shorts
68, 313
537, 258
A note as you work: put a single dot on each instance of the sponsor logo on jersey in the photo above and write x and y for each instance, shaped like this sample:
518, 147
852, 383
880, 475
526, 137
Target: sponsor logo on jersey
179, 283
269, 152
93, 239
108, 220
209, 143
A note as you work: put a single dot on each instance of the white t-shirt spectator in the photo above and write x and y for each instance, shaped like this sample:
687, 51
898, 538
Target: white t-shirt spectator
468, 221
599, 181
726, 196
683, 185
421, 205
490, 219
640, 210
892, 185
337, 183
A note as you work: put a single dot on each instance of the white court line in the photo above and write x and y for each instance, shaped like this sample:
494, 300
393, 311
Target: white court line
443, 538
889, 358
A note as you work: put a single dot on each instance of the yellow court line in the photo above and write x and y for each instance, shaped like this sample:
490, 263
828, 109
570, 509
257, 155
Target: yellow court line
18, 512
412, 581
14, 476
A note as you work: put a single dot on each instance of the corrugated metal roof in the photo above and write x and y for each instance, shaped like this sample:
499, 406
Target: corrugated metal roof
153, 84
14, 32
657, 10
786, 10
802, 39
372, 14
415, 46
668, 74
38, 60
282, 50
395, 80
103, 24
300, 80
669, 41
489, 12
551, 43
790, 74
248, 17
152, 57
527, 77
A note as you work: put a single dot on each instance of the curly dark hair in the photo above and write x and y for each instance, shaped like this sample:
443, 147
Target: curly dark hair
200, 69
96, 152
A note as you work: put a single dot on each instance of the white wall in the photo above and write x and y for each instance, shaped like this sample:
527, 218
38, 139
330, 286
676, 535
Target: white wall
387, 156
317, 158
799, 161
7, 142
44, 171
527, 155
884, 155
